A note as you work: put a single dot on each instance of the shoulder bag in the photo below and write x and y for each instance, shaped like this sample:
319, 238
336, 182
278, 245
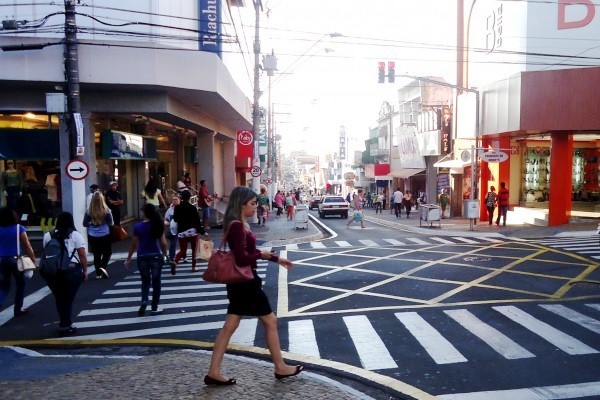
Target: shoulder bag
117, 233
24, 263
222, 267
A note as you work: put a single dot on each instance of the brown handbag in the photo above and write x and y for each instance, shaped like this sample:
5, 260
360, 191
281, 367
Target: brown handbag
117, 233
223, 269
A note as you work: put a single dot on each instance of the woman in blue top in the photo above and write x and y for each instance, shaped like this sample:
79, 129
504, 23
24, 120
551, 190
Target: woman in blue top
98, 221
149, 240
10, 232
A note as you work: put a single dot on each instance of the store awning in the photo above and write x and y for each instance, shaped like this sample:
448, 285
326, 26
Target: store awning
405, 172
453, 164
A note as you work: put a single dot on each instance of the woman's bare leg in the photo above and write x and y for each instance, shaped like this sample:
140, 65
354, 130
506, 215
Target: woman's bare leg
221, 342
272, 338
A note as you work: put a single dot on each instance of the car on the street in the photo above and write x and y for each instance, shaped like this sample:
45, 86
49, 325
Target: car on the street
314, 202
333, 205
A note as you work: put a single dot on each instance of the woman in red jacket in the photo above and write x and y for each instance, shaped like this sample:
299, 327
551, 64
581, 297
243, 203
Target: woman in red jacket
247, 298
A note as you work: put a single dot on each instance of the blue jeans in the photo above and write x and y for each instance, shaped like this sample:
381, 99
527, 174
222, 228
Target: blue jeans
64, 287
150, 267
172, 245
8, 267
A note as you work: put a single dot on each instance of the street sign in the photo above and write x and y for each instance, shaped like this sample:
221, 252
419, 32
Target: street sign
269, 181
77, 169
256, 171
494, 156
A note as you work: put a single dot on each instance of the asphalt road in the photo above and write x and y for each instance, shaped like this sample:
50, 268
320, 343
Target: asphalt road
449, 315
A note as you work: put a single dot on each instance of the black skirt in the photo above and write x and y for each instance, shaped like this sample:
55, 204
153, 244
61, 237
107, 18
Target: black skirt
248, 298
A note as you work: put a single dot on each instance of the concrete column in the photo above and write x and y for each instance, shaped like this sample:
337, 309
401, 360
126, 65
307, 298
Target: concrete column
561, 171
206, 159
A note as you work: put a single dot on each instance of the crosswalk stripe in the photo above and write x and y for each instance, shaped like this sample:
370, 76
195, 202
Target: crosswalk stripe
123, 310
368, 243
502, 344
576, 390
566, 343
149, 319
113, 300
417, 240
489, 239
166, 288
394, 242
574, 316
292, 246
205, 326
317, 245
442, 240
302, 339
440, 349
462, 239
343, 243
245, 334
371, 350
594, 306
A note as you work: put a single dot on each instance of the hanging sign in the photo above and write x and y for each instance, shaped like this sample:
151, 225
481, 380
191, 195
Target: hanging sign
493, 156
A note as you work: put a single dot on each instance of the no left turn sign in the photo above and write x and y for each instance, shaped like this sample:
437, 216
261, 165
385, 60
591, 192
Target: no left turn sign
77, 169
256, 171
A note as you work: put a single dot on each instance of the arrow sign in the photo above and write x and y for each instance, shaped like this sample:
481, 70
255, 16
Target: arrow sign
77, 169
493, 156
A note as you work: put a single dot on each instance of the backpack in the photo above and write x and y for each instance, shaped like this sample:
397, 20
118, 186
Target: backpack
54, 258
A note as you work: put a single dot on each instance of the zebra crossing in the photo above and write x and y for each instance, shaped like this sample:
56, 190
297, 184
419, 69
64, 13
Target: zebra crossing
588, 246
192, 305
405, 241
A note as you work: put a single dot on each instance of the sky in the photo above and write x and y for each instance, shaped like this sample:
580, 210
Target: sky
325, 82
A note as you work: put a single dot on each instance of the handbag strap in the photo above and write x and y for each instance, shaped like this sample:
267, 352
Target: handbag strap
223, 241
18, 242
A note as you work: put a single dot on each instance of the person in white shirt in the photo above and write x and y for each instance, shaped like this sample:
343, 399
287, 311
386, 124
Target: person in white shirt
398, 197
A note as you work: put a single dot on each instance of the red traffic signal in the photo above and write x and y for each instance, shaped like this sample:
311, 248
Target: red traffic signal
381, 66
391, 72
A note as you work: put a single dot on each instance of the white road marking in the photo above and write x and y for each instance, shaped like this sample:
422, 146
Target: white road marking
302, 339
587, 389
508, 348
30, 300
137, 299
343, 243
372, 352
462, 239
566, 343
368, 243
150, 331
432, 341
574, 316
489, 239
292, 246
594, 306
122, 310
417, 240
442, 240
148, 318
394, 242
317, 245
245, 334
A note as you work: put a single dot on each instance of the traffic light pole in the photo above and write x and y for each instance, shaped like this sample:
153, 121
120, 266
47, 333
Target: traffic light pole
255, 106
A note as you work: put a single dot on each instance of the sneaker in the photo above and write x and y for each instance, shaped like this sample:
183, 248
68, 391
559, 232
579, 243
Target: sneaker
142, 310
67, 332
103, 273
157, 311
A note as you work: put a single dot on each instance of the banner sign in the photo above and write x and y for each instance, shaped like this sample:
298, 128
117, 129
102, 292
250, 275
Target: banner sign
209, 26
245, 144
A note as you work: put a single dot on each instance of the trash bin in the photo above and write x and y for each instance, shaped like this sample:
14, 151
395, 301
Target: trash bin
430, 213
301, 216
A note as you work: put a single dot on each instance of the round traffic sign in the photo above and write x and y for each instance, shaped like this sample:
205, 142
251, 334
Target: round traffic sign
77, 169
256, 171
269, 181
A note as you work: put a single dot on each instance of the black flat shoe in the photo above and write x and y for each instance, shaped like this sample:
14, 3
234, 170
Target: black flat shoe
212, 381
173, 268
299, 368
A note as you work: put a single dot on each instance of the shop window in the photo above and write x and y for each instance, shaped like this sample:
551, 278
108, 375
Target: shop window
536, 174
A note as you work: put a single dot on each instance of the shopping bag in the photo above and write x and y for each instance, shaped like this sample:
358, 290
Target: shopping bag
25, 263
204, 249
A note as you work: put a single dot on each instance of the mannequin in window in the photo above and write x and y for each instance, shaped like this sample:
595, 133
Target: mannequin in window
12, 179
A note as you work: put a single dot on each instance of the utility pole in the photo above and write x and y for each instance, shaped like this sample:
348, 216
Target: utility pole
72, 131
255, 106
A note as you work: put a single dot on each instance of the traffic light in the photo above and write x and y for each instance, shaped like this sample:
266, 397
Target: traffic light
381, 71
391, 73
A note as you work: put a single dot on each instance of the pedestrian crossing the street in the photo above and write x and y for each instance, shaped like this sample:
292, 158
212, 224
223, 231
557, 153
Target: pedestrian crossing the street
588, 246
405, 241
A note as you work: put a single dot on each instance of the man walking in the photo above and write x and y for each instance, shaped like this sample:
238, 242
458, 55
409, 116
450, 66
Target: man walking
205, 200
359, 202
503, 195
398, 196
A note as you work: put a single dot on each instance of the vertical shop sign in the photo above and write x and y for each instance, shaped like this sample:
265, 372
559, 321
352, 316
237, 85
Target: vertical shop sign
209, 24
245, 144
342, 143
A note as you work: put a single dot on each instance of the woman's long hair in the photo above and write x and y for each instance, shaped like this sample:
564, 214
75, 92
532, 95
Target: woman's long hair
8, 217
64, 225
239, 196
98, 209
156, 221
150, 189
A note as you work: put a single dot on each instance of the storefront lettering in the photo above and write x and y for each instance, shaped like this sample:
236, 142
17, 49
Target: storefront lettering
562, 11
493, 36
210, 12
